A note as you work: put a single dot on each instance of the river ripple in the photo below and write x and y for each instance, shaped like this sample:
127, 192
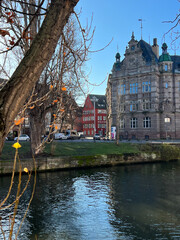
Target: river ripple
138, 202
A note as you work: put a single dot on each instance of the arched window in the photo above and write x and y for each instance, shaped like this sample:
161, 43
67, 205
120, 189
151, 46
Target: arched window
147, 122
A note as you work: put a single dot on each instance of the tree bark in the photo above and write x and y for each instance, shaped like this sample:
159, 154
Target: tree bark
16, 91
36, 132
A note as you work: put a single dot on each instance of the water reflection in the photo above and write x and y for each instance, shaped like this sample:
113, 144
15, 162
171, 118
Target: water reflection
131, 202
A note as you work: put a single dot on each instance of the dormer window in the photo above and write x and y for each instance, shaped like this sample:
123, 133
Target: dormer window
132, 48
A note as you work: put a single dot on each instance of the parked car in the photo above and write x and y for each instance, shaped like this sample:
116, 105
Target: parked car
60, 136
97, 136
22, 137
82, 136
72, 134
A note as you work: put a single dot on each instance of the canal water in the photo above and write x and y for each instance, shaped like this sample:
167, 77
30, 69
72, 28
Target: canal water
137, 202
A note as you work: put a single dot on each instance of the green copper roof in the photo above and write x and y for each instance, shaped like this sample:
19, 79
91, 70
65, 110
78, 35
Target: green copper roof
165, 57
118, 56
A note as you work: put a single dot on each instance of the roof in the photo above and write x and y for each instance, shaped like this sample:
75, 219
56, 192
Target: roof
147, 54
118, 55
147, 51
176, 63
100, 102
165, 57
150, 56
116, 66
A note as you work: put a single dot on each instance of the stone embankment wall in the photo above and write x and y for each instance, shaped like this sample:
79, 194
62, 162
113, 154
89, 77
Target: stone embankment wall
53, 163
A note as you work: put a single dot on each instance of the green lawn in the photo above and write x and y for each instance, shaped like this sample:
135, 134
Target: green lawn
8, 151
89, 148
71, 149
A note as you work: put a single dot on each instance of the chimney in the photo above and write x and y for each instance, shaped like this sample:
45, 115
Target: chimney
155, 47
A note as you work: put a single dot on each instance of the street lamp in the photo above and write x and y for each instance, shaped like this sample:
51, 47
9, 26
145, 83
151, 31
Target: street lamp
94, 100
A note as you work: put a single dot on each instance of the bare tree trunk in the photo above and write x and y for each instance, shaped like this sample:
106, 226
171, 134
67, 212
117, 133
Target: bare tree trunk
35, 134
16, 91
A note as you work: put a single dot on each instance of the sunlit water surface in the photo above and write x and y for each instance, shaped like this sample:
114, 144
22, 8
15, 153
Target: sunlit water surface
118, 203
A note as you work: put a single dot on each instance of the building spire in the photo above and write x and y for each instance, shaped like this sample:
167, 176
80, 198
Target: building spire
132, 37
140, 19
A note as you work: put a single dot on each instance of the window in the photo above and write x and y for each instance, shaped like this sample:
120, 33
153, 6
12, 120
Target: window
101, 111
122, 89
104, 118
122, 125
133, 106
146, 104
146, 86
167, 120
166, 67
134, 123
133, 88
101, 105
166, 85
147, 122
99, 117
122, 108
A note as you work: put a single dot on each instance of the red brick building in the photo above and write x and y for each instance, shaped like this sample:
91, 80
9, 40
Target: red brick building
94, 115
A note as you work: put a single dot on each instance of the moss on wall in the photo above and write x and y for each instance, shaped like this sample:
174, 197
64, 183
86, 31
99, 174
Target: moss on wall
87, 160
165, 152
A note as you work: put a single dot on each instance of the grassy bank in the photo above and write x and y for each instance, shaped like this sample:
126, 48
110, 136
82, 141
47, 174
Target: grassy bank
58, 149
71, 149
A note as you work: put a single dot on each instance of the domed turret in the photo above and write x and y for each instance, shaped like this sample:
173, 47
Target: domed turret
165, 55
118, 57
117, 64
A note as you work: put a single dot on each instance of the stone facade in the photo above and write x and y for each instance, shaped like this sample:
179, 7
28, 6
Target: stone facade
143, 93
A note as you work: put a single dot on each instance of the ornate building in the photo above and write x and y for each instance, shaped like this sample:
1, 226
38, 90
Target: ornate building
143, 93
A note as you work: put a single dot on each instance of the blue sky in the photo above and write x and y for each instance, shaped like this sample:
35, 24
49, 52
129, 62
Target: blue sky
117, 19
